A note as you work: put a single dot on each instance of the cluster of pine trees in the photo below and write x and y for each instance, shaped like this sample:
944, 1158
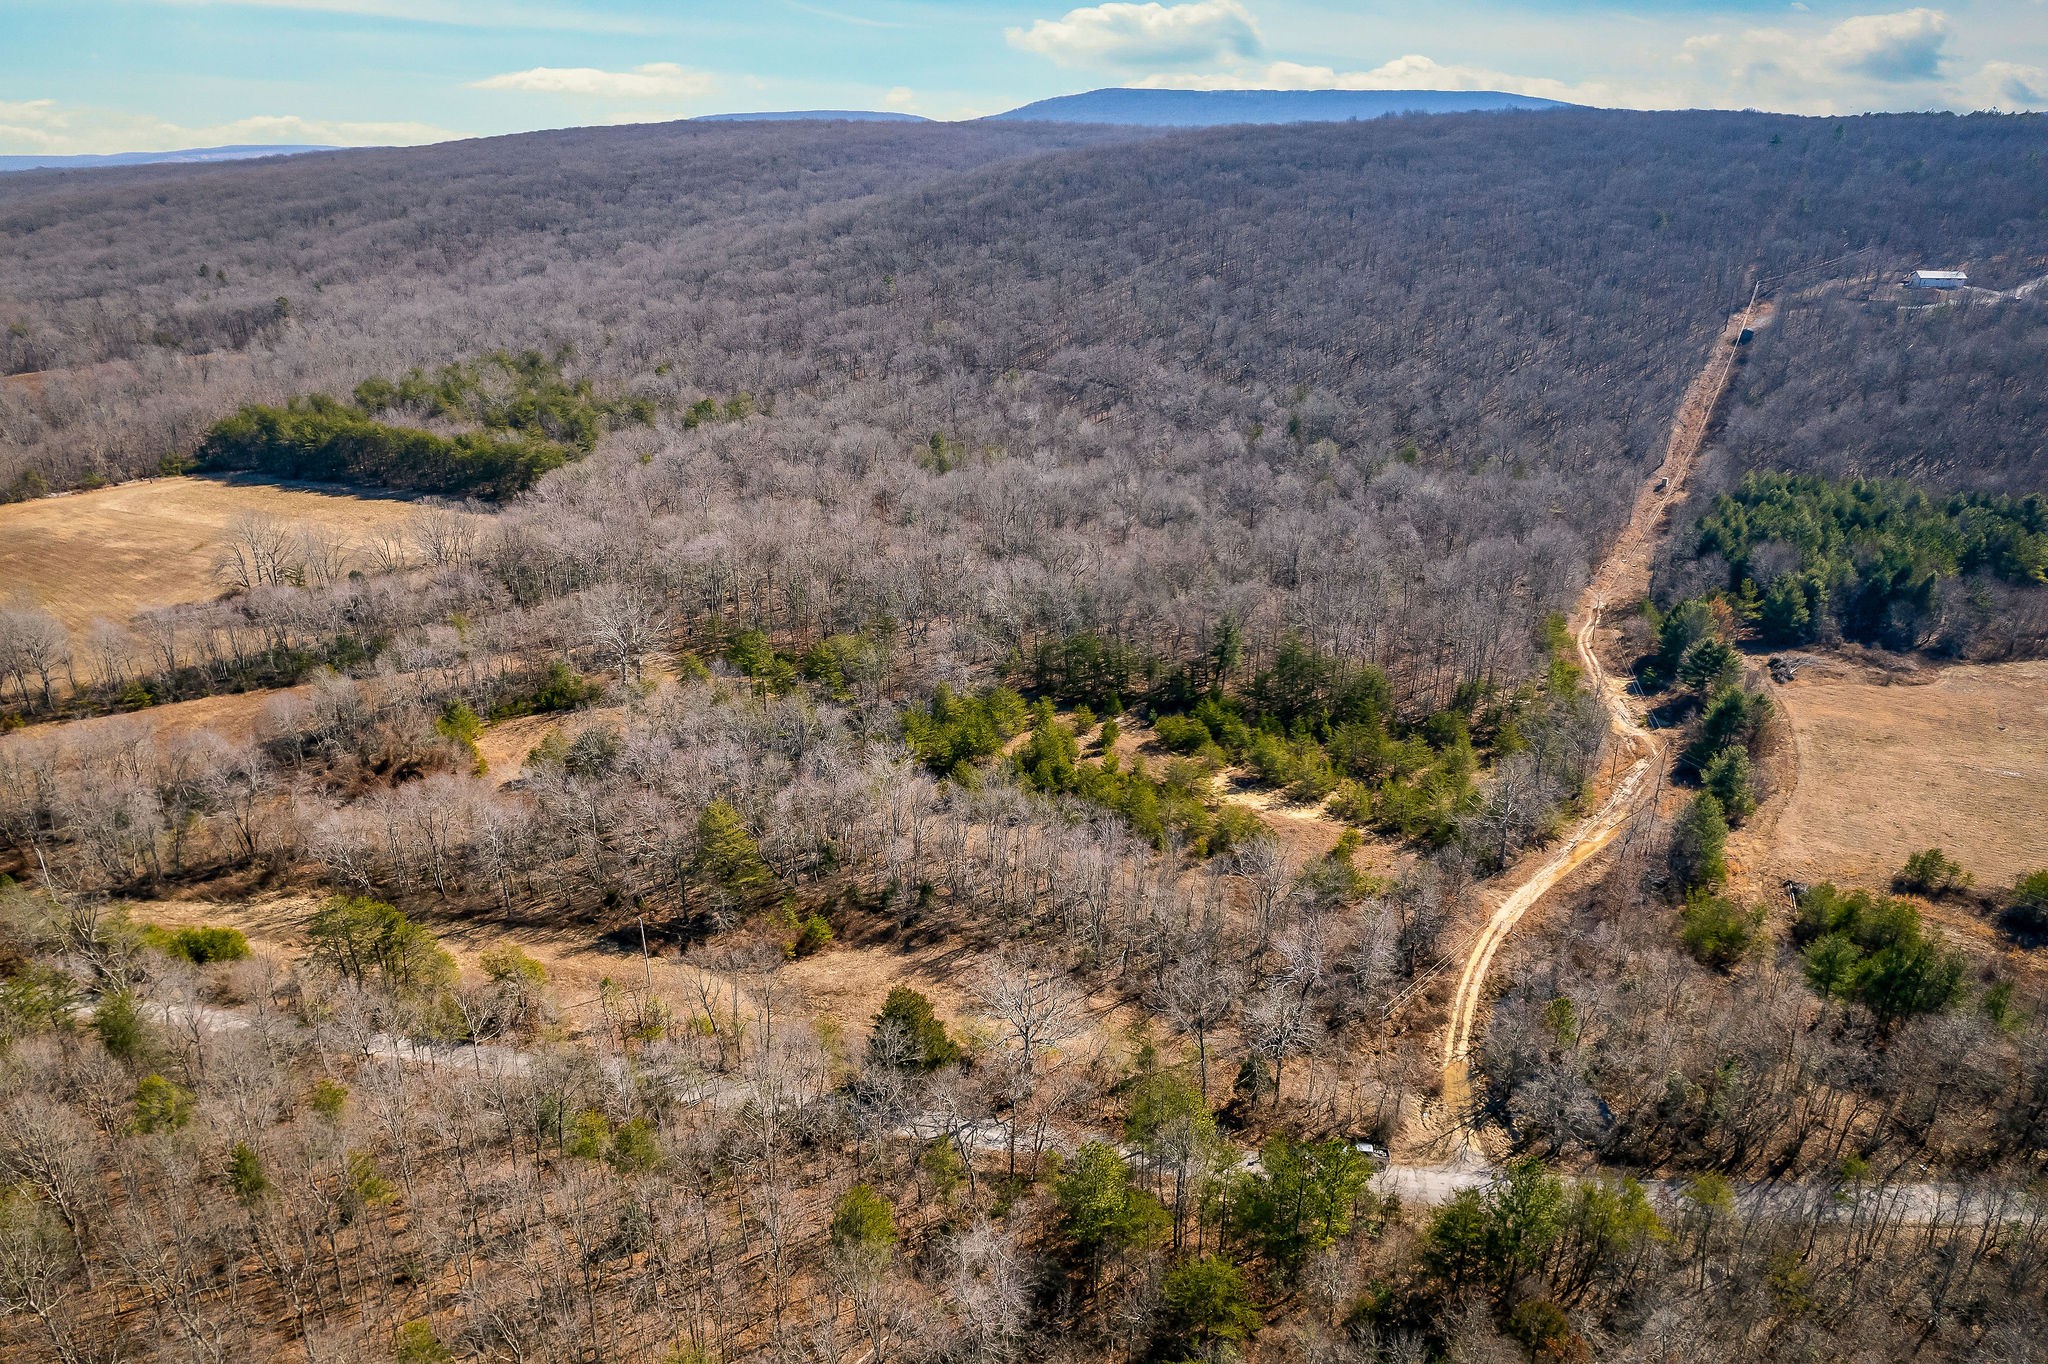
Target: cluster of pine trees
528, 419
1811, 558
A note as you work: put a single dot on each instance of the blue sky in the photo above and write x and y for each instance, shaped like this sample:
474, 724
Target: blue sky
113, 75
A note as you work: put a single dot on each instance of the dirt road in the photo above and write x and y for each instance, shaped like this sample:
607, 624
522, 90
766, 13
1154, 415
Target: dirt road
1624, 575
1928, 1203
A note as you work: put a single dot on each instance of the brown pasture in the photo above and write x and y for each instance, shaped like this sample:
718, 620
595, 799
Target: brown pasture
1890, 763
235, 716
115, 551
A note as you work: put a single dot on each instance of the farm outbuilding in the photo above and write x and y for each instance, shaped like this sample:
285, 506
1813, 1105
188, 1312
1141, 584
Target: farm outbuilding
1939, 279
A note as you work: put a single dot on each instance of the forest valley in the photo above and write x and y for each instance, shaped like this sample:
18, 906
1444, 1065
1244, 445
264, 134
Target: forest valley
1094, 600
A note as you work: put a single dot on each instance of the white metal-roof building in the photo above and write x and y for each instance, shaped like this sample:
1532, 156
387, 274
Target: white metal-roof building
1939, 279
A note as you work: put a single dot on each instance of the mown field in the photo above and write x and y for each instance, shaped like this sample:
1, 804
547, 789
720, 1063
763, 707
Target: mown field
1958, 761
115, 551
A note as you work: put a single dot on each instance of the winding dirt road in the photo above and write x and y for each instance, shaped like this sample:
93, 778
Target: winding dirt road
1624, 575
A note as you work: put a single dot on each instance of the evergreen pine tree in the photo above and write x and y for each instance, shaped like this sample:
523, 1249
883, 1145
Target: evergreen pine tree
1699, 846
727, 855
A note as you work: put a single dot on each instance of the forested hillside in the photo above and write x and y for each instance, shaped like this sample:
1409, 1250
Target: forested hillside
1407, 369
1005, 670
1425, 277
1947, 396
153, 300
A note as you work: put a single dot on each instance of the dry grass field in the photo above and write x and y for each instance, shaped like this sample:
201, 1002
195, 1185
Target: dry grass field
115, 551
234, 716
1955, 758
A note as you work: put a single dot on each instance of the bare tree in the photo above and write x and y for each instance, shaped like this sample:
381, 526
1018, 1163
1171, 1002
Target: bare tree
442, 535
49, 1148
1036, 1001
1269, 872
112, 650
36, 1266
622, 625
389, 549
1199, 990
33, 642
323, 552
988, 1289
261, 550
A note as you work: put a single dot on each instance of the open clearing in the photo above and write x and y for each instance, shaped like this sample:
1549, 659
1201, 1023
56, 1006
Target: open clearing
1889, 766
115, 551
234, 716
842, 988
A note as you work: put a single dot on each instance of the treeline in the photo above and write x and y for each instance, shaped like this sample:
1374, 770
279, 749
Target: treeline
318, 438
526, 393
532, 421
1809, 558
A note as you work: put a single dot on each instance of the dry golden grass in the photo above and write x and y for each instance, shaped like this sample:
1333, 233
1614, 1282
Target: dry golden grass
234, 716
115, 551
840, 989
504, 745
1887, 766
849, 984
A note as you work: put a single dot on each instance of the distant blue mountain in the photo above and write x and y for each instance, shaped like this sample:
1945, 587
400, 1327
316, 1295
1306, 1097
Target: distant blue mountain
1210, 108
820, 115
35, 162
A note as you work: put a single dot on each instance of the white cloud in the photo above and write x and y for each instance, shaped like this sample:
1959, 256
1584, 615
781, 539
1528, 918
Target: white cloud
902, 99
2009, 86
1136, 36
655, 80
1774, 64
47, 127
1873, 61
1902, 60
1891, 47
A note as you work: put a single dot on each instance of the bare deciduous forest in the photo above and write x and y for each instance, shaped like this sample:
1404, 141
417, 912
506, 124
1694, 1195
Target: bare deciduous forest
984, 545
1940, 395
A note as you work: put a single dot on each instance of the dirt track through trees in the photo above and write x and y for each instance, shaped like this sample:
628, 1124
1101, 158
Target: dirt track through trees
1623, 575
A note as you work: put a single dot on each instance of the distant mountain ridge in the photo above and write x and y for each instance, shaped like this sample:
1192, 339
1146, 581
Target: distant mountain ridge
1114, 106
818, 115
238, 153
1213, 108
